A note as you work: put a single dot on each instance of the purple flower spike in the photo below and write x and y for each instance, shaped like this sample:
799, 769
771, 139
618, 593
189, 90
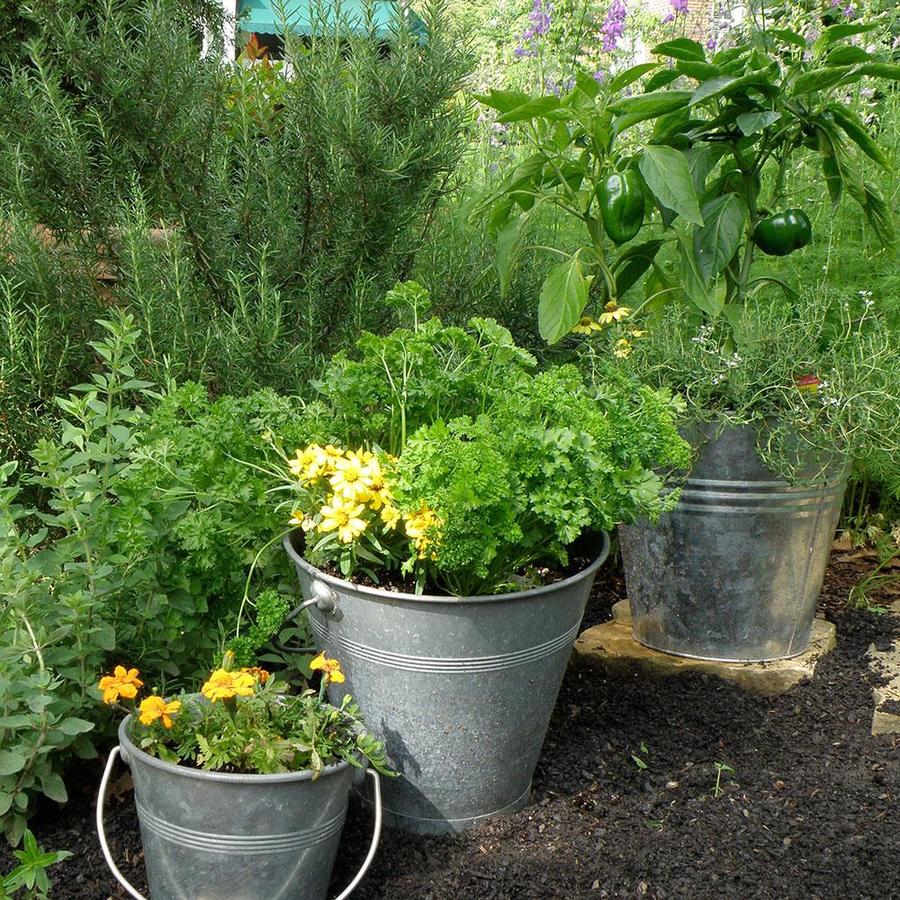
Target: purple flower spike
679, 7
614, 25
599, 75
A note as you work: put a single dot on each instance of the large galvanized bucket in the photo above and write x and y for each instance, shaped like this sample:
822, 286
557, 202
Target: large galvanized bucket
459, 689
216, 836
735, 571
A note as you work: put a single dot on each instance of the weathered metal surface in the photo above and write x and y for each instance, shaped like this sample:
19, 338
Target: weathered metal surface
735, 571
219, 836
460, 689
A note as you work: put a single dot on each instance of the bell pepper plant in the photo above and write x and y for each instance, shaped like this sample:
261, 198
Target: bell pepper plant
693, 139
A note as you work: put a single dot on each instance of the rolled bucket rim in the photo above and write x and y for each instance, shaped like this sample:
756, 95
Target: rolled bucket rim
374, 593
132, 751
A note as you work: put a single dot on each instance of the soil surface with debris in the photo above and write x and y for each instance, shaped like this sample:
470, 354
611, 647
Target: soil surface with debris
625, 801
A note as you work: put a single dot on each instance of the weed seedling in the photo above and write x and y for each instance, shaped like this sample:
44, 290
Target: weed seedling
720, 768
638, 761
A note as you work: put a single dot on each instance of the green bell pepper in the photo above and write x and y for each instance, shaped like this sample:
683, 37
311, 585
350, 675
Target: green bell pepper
783, 232
621, 199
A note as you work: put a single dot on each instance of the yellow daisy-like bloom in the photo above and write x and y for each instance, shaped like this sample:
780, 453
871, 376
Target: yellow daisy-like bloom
314, 462
587, 325
636, 332
377, 494
155, 709
308, 464
418, 527
352, 476
612, 312
223, 685
122, 683
623, 348
261, 675
343, 514
330, 668
390, 515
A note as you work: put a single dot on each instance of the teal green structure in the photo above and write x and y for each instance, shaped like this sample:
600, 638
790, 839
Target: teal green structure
309, 16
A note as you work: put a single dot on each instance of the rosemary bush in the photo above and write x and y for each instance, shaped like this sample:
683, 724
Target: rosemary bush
283, 206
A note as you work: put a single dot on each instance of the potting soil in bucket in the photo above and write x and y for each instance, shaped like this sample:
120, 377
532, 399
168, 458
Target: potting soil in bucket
459, 689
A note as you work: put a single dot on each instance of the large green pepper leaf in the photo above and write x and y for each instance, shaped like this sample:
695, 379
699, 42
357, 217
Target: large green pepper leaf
668, 176
716, 242
564, 296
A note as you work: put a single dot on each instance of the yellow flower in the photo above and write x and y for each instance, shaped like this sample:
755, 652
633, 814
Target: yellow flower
352, 475
418, 527
390, 515
636, 332
155, 708
122, 683
614, 313
377, 495
330, 668
261, 675
314, 462
224, 685
623, 348
304, 521
344, 515
587, 325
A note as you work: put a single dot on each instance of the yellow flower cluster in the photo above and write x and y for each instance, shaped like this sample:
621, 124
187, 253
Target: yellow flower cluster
122, 683
611, 314
419, 527
357, 484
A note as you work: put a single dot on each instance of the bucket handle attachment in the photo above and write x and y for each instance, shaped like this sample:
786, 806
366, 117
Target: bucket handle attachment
324, 599
137, 895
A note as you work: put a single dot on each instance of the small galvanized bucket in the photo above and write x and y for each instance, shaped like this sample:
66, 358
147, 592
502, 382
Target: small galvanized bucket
459, 689
215, 836
734, 572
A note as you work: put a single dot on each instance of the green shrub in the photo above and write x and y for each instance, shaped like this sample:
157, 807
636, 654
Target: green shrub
284, 206
490, 468
141, 551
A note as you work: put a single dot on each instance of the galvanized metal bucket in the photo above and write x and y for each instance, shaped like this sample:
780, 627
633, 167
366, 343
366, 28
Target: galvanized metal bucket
216, 836
459, 689
735, 571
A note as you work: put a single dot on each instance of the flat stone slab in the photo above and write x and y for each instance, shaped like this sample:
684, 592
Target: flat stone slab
613, 646
885, 664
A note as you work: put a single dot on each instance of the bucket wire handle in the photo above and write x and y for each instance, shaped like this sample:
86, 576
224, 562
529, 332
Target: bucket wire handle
373, 847
107, 855
101, 831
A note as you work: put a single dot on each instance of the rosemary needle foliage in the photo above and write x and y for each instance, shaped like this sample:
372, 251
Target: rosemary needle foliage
250, 215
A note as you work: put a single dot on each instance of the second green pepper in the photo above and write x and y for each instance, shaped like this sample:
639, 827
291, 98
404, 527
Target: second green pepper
621, 198
783, 232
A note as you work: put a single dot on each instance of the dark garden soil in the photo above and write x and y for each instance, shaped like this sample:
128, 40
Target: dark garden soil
810, 807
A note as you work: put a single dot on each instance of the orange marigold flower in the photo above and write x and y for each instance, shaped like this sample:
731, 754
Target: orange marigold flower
155, 709
330, 668
122, 683
261, 675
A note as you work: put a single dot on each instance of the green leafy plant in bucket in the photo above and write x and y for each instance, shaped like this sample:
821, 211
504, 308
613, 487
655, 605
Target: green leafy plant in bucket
443, 454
